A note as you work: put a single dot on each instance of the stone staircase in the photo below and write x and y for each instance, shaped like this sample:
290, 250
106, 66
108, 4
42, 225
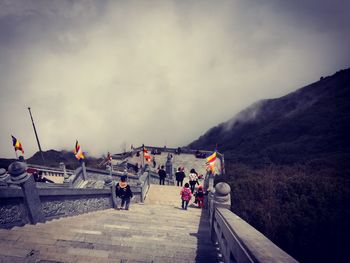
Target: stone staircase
156, 231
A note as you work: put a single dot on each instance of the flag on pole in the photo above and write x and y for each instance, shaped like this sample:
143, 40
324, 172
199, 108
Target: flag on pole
16, 143
109, 157
78, 152
146, 154
211, 160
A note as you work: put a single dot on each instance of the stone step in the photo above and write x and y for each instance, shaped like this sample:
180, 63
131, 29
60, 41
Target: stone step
149, 232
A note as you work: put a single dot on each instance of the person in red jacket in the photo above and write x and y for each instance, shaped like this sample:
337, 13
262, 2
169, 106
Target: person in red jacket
199, 197
186, 195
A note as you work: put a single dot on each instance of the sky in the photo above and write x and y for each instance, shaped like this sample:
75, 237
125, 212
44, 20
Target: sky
116, 73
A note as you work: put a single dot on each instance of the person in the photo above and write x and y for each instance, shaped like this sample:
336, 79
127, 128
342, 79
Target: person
154, 162
193, 179
185, 196
199, 197
179, 175
124, 192
38, 177
162, 175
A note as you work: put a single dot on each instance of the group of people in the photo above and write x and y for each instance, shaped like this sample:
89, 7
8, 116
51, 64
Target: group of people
188, 190
186, 195
123, 190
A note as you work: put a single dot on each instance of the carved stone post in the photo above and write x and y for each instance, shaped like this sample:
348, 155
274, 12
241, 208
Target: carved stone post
4, 177
222, 196
109, 169
109, 184
18, 172
65, 175
83, 170
169, 166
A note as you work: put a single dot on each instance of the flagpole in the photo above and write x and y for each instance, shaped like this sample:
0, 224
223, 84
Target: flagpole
36, 136
16, 154
143, 155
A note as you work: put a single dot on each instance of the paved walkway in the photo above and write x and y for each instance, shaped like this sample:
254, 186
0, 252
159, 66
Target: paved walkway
156, 231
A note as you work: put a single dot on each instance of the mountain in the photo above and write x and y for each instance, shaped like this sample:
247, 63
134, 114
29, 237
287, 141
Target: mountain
309, 126
53, 158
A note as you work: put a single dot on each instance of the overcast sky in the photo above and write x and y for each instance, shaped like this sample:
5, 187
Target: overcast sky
115, 73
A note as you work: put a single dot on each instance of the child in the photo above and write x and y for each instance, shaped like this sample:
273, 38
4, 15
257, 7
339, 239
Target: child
186, 195
124, 192
199, 197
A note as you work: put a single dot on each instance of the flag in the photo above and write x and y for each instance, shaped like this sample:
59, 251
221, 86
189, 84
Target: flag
78, 152
146, 154
211, 160
16, 143
109, 157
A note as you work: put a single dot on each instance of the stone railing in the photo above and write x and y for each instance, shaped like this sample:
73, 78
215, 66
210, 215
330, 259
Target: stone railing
23, 201
145, 185
49, 171
238, 241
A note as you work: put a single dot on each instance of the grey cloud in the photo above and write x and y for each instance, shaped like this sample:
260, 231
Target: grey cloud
111, 73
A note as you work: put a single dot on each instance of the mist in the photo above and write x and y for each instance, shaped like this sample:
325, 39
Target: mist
115, 73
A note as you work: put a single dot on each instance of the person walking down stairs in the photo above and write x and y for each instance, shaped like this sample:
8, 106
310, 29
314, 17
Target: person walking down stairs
124, 192
193, 179
179, 175
185, 196
199, 197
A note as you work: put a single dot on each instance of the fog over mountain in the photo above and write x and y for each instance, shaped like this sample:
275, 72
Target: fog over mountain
309, 126
115, 73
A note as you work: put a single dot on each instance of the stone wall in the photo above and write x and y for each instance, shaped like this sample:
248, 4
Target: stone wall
22, 201
13, 212
73, 205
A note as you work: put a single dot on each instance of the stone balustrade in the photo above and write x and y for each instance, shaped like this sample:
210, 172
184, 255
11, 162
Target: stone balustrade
237, 240
23, 201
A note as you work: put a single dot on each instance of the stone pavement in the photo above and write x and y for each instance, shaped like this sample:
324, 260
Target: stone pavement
156, 231
188, 161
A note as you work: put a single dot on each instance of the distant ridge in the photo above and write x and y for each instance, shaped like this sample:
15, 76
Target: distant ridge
53, 158
309, 126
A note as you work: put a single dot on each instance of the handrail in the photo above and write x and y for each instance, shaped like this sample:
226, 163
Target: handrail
238, 241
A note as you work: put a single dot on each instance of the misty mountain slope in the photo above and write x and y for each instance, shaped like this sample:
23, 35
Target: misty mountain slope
308, 126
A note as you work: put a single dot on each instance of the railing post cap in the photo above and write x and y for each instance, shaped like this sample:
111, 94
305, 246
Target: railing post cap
4, 176
2, 172
108, 182
18, 172
222, 188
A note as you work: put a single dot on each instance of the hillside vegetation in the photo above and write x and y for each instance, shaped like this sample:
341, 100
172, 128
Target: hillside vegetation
287, 162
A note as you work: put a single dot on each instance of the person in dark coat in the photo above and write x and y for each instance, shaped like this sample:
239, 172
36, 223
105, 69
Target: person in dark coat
124, 192
38, 177
162, 175
179, 175
193, 179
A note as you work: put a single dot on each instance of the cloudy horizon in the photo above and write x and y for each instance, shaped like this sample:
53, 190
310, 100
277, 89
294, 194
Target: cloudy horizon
116, 73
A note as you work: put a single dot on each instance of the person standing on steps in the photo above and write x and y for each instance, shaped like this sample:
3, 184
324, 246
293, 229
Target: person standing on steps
185, 196
162, 175
124, 192
193, 179
154, 162
179, 175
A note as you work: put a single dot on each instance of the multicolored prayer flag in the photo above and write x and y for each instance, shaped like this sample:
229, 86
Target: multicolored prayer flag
78, 152
16, 143
211, 160
146, 154
109, 157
